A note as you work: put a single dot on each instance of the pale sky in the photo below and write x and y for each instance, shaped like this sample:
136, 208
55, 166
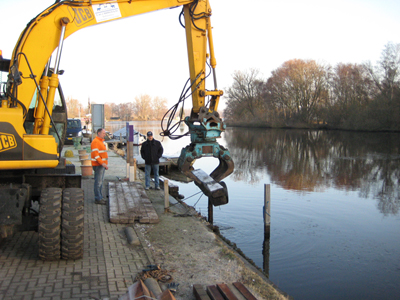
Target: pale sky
116, 61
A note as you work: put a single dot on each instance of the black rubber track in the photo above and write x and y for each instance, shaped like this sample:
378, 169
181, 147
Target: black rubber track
72, 224
50, 223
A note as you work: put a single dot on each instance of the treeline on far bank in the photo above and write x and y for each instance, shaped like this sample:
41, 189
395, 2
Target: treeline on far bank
307, 94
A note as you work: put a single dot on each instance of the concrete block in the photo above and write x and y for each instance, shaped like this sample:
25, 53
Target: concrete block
131, 236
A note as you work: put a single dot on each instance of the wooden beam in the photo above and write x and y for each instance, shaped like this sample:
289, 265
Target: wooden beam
236, 292
211, 187
226, 292
166, 295
200, 293
138, 289
213, 292
245, 292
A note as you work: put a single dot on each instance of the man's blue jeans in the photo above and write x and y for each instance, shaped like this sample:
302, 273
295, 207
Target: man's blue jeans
147, 171
98, 182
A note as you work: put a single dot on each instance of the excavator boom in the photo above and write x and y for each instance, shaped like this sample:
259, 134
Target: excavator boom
30, 74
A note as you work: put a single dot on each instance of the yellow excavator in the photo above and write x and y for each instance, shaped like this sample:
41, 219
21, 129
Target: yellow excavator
33, 118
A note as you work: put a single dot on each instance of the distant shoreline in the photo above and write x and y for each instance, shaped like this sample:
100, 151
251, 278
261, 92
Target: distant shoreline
303, 127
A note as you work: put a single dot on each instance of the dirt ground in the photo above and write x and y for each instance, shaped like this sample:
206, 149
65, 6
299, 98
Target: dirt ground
187, 250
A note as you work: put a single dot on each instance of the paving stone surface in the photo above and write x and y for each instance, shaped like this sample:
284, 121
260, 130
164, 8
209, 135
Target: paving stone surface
109, 265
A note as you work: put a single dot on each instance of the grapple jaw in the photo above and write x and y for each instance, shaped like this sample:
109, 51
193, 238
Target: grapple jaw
209, 184
204, 128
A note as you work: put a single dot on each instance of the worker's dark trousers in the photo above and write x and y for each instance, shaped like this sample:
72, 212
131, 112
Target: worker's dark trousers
98, 182
147, 171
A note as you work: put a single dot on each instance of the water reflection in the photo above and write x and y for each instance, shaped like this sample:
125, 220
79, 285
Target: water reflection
332, 245
305, 160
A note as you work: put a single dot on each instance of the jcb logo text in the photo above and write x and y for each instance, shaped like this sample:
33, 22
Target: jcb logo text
81, 15
7, 141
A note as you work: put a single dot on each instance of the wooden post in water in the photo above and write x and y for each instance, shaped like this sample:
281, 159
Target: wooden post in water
267, 210
166, 196
267, 228
265, 252
210, 212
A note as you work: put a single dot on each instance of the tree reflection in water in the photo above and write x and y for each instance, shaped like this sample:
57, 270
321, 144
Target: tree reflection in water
313, 160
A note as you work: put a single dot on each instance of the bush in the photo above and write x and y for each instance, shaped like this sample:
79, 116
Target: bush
69, 153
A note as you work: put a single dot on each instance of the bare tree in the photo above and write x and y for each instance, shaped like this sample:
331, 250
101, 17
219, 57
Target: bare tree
73, 107
115, 110
386, 74
298, 87
245, 97
351, 92
108, 111
385, 108
126, 111
350, 85
159, 106
142, 107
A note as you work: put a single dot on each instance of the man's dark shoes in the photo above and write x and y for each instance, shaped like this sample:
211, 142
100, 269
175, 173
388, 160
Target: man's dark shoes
101, 202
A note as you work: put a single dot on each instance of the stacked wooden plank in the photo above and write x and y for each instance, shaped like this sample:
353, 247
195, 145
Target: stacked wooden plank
129, 204
222, 291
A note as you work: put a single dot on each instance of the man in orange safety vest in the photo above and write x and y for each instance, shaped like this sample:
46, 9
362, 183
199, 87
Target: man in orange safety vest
99, 164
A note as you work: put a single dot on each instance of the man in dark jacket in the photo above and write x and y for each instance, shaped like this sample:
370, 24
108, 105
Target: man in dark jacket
151, 152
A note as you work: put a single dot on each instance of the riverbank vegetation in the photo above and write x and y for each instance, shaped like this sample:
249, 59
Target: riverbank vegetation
308, 94
143, 108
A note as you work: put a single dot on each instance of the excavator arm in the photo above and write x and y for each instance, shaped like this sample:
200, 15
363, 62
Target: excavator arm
204, 122
29, 72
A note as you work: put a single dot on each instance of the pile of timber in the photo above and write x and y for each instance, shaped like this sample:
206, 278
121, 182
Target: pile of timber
151, 290
129, 204
222, 291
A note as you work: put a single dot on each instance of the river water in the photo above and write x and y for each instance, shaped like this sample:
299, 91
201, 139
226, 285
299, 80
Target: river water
335, 201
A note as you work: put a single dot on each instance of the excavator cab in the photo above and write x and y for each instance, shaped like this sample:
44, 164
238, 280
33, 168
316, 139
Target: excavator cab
4, 67
59, 116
